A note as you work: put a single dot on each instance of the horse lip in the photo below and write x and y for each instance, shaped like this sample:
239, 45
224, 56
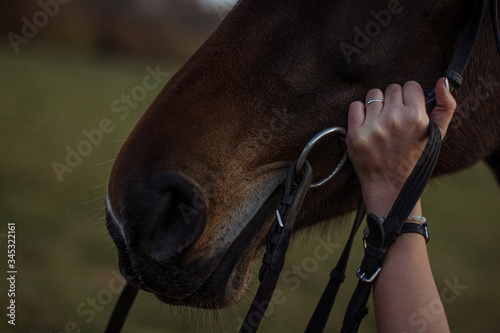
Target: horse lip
239, 252
201, 294
208, 293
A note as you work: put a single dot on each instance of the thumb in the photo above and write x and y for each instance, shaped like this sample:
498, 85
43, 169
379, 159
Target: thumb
445, 106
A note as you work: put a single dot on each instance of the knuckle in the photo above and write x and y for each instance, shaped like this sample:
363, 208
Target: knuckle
357, 141
393, 88
412, 85
420, 118
374, 93
378, 134
453, 105
394, 123
354, 107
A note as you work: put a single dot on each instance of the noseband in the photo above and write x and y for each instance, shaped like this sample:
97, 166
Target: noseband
297, 184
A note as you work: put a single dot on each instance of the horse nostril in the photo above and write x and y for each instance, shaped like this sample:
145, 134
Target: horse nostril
169, 216
177, 227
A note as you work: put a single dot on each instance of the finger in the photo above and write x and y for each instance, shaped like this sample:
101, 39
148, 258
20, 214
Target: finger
445, 106
356, 116
374, 103
393, 97
413, 95
414, 103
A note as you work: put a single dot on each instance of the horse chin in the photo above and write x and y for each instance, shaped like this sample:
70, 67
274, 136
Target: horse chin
230, 280
218, 291
211, 284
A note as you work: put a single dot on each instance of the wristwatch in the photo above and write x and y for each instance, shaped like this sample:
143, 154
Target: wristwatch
408, 227
418, 228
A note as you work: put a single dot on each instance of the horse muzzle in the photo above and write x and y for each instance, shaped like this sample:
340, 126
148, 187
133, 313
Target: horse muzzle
159, 221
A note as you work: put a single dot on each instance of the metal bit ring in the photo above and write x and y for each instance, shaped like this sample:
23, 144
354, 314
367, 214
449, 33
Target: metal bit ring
302, 158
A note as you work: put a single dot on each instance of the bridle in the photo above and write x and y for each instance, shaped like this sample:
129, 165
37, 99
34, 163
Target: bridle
299, 181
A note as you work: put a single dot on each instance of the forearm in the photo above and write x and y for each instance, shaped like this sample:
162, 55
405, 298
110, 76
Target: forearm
405, 291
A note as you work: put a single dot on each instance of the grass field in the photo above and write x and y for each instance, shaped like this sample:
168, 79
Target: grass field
65, 258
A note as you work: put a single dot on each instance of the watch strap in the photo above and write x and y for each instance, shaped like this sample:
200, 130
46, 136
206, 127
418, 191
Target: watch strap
418, 228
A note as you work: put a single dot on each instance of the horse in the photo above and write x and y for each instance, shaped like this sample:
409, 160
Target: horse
193, 190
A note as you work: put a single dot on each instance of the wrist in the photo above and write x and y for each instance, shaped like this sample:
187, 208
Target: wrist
380, 199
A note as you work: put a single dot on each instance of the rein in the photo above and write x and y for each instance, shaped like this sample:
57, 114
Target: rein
381, 236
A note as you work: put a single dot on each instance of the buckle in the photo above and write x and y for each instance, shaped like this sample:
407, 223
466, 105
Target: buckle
362, 277
426, 232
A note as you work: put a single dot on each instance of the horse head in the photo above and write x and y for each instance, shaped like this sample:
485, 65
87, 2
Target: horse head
194, 188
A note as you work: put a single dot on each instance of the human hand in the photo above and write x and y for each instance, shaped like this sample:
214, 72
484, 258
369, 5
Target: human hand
384, 140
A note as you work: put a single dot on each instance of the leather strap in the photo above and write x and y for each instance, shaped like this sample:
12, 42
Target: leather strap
320, 316
277, 246
494, 21
463, 52
416, 228
122, 309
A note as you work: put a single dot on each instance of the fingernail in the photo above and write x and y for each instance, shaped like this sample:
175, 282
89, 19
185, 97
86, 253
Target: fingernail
447, 84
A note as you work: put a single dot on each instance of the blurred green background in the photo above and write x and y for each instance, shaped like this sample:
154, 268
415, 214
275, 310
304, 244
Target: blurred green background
65, 79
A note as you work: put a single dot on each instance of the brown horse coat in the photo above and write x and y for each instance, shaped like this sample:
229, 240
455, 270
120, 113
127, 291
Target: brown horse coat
194, 187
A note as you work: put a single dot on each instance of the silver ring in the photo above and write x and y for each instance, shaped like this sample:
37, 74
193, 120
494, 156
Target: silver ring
302, 158
373, 100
